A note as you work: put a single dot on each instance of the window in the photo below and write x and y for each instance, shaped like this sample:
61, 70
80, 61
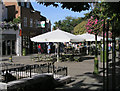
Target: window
25, 21
22, 4
31, 22
28, 5
36, 23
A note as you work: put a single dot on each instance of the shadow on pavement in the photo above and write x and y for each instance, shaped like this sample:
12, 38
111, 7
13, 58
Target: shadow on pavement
84, 86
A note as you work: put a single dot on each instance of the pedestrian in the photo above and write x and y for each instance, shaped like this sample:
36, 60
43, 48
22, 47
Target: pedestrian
48, 49
109, 46
56, 46
39, 49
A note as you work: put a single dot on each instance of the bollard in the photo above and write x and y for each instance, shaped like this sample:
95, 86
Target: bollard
53, 68
10, 58
66, 71
48, 67
30, 71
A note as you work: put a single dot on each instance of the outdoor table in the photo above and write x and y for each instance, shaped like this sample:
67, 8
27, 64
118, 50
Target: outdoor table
67, 57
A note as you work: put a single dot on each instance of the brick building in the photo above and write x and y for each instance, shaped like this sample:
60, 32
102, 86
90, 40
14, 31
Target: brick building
30, 24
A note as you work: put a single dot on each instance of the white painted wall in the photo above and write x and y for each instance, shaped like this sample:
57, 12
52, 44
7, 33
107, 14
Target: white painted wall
18, 40
0, 11
3, 12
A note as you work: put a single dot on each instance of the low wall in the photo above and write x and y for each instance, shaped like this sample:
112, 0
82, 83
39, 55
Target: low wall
35, 83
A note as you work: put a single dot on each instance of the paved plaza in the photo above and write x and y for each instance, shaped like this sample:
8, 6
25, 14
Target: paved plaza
81, 72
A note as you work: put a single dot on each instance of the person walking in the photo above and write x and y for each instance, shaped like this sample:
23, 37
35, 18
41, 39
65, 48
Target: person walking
109, 46
39, 49
48, 50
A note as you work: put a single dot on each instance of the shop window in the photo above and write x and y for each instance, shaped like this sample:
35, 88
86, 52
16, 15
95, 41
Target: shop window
31, 22
36, 23
25, 21
13, 47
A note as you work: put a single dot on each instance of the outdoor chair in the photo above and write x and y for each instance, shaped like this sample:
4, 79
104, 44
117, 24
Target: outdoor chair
43, 57
48, 58
76, 58
67, 57
33, 58
36, 58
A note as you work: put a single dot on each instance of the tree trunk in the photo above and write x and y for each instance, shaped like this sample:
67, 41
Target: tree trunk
96, 59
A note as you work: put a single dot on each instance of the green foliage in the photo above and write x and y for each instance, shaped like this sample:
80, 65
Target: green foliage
67, 24
73, 6
104, 10
16, 20
80, 28
101, 10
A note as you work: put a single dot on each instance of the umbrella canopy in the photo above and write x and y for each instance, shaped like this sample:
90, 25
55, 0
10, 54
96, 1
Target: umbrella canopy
90, 37
56, 36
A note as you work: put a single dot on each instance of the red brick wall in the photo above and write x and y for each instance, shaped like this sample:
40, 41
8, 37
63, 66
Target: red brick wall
26, 12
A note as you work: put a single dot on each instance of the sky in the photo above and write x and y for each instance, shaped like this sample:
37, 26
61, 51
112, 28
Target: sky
55, 14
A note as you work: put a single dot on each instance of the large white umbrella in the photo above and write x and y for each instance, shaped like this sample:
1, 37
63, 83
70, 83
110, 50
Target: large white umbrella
56, 36
89, 37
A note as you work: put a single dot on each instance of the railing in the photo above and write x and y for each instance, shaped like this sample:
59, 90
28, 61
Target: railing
23, 71
61, 71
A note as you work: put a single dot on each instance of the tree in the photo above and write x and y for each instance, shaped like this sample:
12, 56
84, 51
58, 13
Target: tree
68, 23
16, 20
73, 6
80, 28
104, 10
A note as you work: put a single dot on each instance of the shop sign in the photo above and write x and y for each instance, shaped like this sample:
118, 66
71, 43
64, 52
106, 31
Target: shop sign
43, 24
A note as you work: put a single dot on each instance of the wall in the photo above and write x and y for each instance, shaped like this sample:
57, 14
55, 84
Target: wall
3, 12
32, 31
18, 40
38, 82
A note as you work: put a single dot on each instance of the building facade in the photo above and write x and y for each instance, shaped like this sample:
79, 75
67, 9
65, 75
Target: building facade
3, 12
11, 42
29, 26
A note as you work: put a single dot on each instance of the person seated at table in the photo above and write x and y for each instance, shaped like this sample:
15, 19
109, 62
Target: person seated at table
39, 49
